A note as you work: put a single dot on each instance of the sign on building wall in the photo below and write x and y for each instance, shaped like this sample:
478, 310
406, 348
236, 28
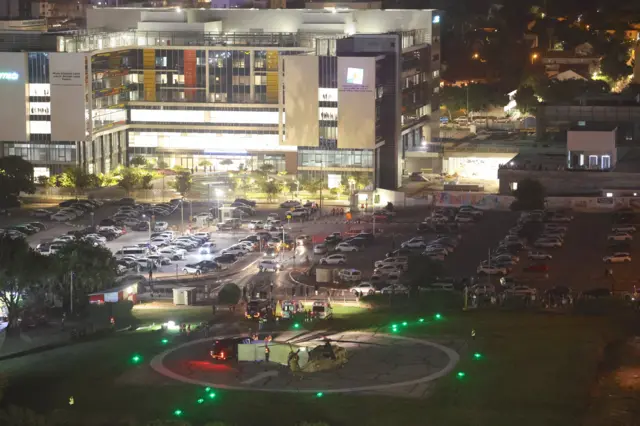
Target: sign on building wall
13, 93
301, 80
356, 102
67, 78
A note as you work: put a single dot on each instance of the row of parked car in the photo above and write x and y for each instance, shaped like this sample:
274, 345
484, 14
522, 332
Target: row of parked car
620, 238
23, 230
69, 210
94, 235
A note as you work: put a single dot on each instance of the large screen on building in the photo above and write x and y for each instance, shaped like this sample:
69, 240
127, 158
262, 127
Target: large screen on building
67, 77
301, 81
356, 102
13, 94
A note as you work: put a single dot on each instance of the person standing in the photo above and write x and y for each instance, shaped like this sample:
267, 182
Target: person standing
267, 351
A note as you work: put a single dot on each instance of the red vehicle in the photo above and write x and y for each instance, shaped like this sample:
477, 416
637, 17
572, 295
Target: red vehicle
538, 267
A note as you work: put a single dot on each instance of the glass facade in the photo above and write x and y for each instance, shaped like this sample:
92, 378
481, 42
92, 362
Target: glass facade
346, 158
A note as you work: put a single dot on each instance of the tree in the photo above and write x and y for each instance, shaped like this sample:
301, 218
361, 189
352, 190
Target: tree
271, 188
312, 185
145, 181
229, 294
139, 161
204, 163
16, 176
422, 271
93, 268
453, 98
526, 100
76, 178
162, 164
129, 178
530, 195
291, 185
20, 272
182, 183
614, 63
18, 416
226, 162
266, 168
43, 181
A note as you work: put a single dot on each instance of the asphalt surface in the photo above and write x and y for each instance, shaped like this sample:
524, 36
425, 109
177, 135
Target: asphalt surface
578, 264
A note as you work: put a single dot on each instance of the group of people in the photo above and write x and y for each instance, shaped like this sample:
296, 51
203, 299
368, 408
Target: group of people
337, 211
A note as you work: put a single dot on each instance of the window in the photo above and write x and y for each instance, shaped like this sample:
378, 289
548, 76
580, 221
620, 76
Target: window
593, 161
161, 61
436, 74
436, 89
581, 159
605, 162
435, 57
513, 186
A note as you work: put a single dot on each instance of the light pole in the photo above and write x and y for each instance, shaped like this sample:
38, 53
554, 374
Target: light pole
92, 214
218, 193
467, 87
182, 215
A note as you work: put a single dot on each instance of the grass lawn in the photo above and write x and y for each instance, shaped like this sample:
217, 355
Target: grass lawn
535, 369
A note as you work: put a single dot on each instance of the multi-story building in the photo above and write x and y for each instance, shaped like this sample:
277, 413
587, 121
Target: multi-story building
324, 92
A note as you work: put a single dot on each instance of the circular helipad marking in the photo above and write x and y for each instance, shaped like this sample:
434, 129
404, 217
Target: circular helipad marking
157, 363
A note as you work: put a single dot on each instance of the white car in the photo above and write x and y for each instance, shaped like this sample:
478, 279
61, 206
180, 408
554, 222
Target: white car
464, 218
539, 255
480, 289
77, 211
555, 226
344, 247
620, 236
547, 243
41, 213
208, 248
363, 288
561, 218
290, 203
386, 270
436, 249
623, 228
174, 253
472, 211
297, 212
320, 249
395, 289
493, 270
414, 244
255, 224
131, 221
236, 251
64, 239
334, 259
504, 259
439, 287
617, 258
400, 261
96, 237
269, 265
62, 216
521, 290
160, 259
160, 226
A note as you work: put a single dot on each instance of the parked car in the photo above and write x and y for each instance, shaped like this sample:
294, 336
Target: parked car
364, 288
41, 213
334, 259
620, 236
346, 247
537, 267
208, 248
539, 255
493, 270
350, 275
269, 265
289, 204
320, 249
619, 257
395, 289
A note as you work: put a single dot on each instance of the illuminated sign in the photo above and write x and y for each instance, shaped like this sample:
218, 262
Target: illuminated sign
355, 76
40, 108
40, 90
11, 76
436, 19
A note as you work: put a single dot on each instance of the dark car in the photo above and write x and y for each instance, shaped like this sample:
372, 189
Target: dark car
126, 201
226, 349
67, 203
245, 202
597, 292
333, 239
423, 227
175, 202
142, 226
357, 241
25, 229
37, 225
225, 227
225, 258
108, 222
108, 234
368, 236
208, 265
400, 252
416, 177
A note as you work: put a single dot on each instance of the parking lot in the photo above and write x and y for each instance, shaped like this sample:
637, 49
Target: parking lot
578, 264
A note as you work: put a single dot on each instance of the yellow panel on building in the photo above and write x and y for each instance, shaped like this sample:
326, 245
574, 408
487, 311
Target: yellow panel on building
149, 78
273, 59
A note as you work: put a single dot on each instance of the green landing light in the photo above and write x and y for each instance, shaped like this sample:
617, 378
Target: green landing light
421, 320
438, 316
477, 355
136, 359
461, 374
404, 323
164, 341
319, 394
200, 400
296, 325
212, 395
207, 389
177, 413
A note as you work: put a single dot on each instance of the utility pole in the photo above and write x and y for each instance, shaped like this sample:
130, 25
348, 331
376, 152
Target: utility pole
489, 274
374, 226
182, 216
321, 183
71, 292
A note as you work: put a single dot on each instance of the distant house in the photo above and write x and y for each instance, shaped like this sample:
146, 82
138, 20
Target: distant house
568, 75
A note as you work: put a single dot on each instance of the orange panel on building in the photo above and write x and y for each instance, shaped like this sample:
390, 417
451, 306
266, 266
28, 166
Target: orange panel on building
190, 74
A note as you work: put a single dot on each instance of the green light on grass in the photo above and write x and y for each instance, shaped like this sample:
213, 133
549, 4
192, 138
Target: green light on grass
136, 359
164, 341
177, 413
438, 316
212, 395
296, 325
319, 394
200, 400
461, 374
477, 355
207, 389
404, 323
421, 320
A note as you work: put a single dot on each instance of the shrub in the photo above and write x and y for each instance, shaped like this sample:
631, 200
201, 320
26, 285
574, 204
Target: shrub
229, 294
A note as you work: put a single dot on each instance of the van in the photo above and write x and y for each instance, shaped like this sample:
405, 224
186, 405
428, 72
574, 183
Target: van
169, 234
322, 310
350, 275
234, 222
133, 251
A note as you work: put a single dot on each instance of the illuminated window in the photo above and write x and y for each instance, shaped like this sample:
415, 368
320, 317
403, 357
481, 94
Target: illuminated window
605, 162
593, 161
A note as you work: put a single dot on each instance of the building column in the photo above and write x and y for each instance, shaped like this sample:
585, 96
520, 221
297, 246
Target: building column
252, 85
206, 74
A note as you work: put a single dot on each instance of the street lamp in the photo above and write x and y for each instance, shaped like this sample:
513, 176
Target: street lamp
219, 193
533, 58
